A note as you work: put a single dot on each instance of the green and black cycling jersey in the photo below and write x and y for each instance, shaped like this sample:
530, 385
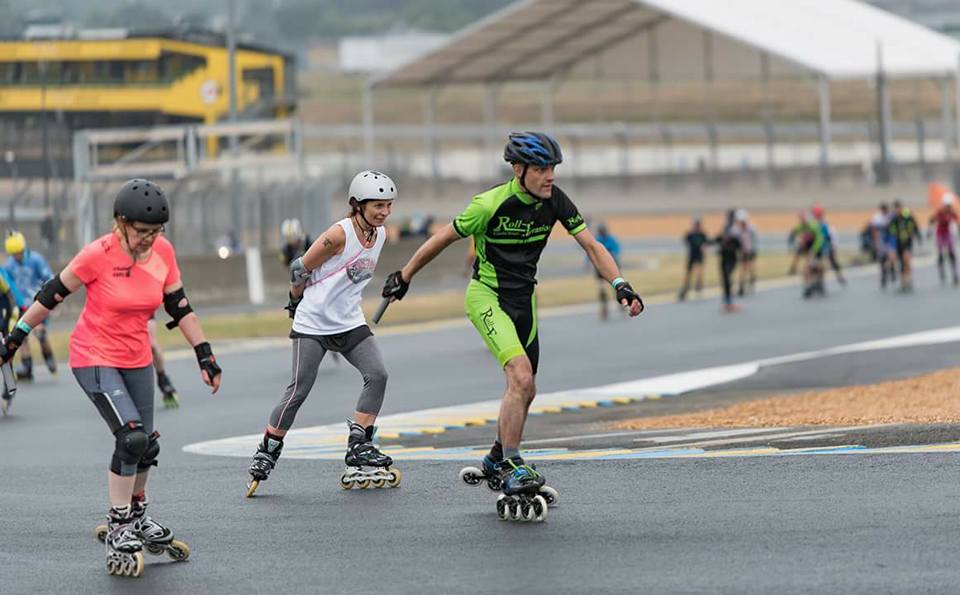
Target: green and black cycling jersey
510, 229
904, 228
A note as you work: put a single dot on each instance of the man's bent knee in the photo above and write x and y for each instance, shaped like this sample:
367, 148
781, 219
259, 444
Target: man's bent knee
520, 378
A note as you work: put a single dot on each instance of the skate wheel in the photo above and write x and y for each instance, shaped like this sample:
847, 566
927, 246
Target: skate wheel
346, 482
377, 483
252, 487
178, 550
525, 510
471, 476
515, 510
136, 565
394, 480
101, 533
539, 508
363, 484
494, 484
155, 548
550, 495
503, 508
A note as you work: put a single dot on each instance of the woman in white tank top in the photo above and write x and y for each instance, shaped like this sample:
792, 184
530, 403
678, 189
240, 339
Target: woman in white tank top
327, 286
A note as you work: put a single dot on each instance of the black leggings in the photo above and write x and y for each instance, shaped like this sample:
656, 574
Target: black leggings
727, 264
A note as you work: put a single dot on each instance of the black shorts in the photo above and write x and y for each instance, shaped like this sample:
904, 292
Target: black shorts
903, 247
694, 259
339, 343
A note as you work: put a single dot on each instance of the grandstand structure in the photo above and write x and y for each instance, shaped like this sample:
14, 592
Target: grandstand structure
735, 48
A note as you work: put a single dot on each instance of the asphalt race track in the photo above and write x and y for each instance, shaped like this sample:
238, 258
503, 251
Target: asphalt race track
839, 523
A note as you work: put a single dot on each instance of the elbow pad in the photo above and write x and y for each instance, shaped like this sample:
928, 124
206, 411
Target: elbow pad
177, 306
52, 293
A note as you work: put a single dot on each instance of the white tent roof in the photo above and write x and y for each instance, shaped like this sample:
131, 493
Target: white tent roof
671, 39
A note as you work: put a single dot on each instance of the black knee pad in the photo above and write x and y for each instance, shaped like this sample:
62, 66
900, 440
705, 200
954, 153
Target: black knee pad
131, 444
149, 458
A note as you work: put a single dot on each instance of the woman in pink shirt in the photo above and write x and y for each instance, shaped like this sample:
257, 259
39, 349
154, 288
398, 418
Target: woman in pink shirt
127, 273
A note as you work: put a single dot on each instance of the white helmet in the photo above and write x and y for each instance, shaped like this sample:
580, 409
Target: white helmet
290, 229
372, 185
741, 215
947, 199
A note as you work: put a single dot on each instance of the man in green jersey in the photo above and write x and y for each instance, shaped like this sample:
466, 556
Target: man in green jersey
510, 224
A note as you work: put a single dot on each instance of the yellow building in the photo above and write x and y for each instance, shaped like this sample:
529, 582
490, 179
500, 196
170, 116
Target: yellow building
141, 80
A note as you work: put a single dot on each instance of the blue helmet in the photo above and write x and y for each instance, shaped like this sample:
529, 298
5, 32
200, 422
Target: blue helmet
532, 148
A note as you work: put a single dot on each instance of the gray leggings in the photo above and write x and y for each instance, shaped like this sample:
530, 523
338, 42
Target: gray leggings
307, 355
121, 396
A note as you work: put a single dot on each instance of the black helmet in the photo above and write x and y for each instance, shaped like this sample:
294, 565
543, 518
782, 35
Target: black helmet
141, 200
532, 148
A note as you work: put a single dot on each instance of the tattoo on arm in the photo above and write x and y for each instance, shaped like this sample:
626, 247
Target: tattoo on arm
327, 243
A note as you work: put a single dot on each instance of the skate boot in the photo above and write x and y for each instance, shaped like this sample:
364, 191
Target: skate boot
521, 499
171, 400
123, 544
51, 362
362, 452
264, 460
156, 538
486, 472
25, 371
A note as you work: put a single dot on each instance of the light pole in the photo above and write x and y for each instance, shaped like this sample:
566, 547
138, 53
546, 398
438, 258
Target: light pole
10, 158
43, 128
232, 83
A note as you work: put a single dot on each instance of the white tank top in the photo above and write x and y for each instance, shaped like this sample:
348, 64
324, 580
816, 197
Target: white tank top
331, 300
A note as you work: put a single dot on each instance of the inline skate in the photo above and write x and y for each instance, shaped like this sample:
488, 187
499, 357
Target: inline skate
171, 400
264, 460
123, 543
51, 362
362, 452
156, 538
521, 499
488, 472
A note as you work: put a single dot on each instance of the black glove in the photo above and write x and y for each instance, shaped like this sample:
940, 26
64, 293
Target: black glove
291, 306
395, 286
206, 360
625, 292
11, 343
298, 272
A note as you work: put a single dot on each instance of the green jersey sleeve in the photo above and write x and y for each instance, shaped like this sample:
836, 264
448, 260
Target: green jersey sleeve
474, 219
567, 212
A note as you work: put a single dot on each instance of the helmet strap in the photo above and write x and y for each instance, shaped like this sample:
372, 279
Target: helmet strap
126, 240
523, 180
369, 229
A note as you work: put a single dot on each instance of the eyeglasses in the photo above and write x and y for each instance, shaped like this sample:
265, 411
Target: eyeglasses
147, 232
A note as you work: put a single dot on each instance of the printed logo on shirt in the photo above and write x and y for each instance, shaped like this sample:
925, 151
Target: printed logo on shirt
360, 270
122, 271
510, 226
